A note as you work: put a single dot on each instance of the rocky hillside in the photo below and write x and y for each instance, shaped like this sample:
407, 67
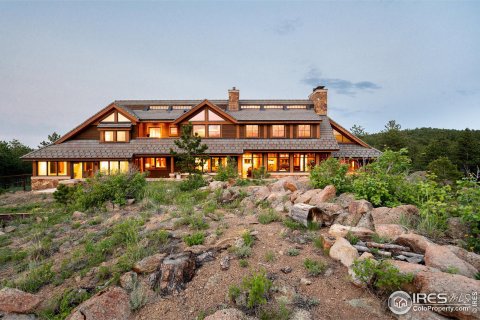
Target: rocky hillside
272, 251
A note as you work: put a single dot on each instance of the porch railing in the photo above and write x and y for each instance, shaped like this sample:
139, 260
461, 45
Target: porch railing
15, 182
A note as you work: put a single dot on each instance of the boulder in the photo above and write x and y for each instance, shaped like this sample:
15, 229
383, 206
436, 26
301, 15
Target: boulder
287, 185
389, 231
411, 268
470, 257
175, 271
128, 280
17, 316
17, 301
366, 221
149, 264
456, 228
306, 196
214, 185
262, 193
338, 230
360, 207
453, 285
384, 215
9, 229
228, 314
414, 241
344, 252
442, 258
112, 303
345, 199
327, 194
329, 212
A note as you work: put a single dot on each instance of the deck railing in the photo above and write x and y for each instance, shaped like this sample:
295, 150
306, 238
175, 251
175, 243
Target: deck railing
15, 182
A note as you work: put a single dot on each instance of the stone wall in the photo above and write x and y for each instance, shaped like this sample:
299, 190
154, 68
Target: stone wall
41, 183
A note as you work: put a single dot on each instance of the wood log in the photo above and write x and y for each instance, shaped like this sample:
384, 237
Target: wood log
366, 249
411, 254
387, 246
305, 213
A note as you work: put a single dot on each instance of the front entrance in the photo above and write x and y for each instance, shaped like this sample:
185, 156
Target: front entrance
251, 161
77, 170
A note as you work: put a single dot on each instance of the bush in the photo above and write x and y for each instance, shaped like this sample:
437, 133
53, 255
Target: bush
63, 305
65, 194
468, 198
270, 256
243, 263
268, 217
331, 172
260, 173
293, 252
248, 239
257, 287
37, 278
193, 182
292, 224
444, 170
314, 268
230, 171
194, 239
381, 275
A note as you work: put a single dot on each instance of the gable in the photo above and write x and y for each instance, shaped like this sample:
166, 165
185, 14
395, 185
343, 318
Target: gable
345, 135
205, 111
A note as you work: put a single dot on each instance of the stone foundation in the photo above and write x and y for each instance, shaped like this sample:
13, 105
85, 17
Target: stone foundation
41, 183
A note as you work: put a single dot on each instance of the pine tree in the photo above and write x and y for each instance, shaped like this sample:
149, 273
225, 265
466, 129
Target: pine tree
191, 152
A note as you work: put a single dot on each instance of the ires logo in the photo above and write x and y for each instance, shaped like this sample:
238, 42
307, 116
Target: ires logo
430, 298
400, 302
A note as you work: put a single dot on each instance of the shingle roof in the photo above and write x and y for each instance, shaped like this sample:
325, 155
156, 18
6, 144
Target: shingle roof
158, 114
114, 125
275, 115
355, 151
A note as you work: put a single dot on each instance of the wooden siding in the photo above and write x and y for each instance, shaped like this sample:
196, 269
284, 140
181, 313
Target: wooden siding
89, 133
229, 131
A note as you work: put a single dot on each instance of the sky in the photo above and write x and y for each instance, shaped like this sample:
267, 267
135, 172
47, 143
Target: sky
416, 62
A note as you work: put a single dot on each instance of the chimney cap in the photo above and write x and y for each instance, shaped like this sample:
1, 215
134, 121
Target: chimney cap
233, 89
318, 88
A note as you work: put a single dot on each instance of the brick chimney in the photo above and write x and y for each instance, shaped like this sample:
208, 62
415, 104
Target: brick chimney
233, 99
319, 99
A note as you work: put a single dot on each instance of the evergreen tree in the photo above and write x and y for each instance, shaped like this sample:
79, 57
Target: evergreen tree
50, 139
191, 152
358, 131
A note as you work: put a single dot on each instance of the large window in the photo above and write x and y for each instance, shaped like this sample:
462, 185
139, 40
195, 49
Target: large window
121, 136
212, 116
198, 117
278, 162
217, 162
278, 131
173, 131
155, 132
303, 161
272, 162
52, 168
109, 136
122, 118
214, 131
156, 163
199, 129
202, 164
113, 167
341, 138
304, 131
284, 163
251, 131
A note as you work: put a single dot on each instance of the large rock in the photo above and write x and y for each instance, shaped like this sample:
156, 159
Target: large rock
338, 230
327, 194
344, 252
442, 258
175, 271
110, 304
17, 301
345, 199
279, 185
456, 228
470, 257
149, 264
214, 185
389, 231
385, 215
366, 221
262, 193
287, 185
451, 284
414, 241
357, 210
228, 314
306, 196
17, 316
411, 268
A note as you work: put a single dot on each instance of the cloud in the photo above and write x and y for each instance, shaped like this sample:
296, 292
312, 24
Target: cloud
467, 92
287, 26
314, 78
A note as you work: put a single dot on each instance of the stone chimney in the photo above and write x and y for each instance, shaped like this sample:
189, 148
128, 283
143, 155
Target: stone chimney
233, 99
319, 99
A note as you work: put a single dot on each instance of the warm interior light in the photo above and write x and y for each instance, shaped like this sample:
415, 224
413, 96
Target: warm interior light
353, 164
147, 165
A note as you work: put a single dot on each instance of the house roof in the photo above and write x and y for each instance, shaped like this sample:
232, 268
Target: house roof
348, 150
114, 125
275, 115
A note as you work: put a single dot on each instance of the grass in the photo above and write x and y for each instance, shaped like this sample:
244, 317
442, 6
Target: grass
36, 278
314, 268
248, 239
243, 263
293, 225
353, 239
293, 252
194, 239
243, 252
270, 256
378, 239
268, 217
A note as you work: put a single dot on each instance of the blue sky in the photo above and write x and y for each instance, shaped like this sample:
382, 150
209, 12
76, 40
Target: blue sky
415, 62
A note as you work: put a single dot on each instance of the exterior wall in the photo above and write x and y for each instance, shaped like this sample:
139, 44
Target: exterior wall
89, 133
42, 183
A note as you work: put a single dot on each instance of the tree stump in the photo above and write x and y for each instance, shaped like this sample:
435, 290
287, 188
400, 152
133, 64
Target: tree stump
305, 213
175, 271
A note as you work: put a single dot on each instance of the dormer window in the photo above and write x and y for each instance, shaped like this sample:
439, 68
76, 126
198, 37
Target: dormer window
198, 117
109, 136
199, 130
212, 116
122, 118
109, 118
121, 136
278, 131
304, 131
115, 136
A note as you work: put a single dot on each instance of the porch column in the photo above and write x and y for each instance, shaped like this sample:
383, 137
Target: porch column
172, 165
290, 161
240, 165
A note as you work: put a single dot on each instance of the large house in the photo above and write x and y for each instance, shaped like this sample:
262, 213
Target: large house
287, 137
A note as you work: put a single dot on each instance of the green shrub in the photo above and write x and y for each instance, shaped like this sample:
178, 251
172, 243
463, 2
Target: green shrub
331, 172
234, 292
381, 275
293, 252
37, 278
230, 171
243, 252
260, 173
243, 263
194, 239
158, 237
292, 224
353, 239
378, 239
444, 170
257, 287
279, 313
468, 199
268, 217
248, 239
63, 305
66, 194
270, 256
193, 182
314, 268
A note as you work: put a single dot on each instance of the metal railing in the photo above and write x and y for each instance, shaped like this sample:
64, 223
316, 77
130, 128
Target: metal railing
15, 182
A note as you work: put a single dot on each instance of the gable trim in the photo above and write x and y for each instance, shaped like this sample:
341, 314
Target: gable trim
102, 113
347, 133
199, 106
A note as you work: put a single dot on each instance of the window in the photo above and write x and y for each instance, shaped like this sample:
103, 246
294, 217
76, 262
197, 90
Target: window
212, 116
109, 118
198, 117
304, 131
284, 163
214, 131
251, 131
154, 132
341, 138
250, 107
297, 107
273, 107
217, 162
278, 131
113, 167
272, 162
109, 136
159, 107
199, 130
155, 163
122, 118
181, 107
121, 136
202, 164
173, 131
303, 161
52, 168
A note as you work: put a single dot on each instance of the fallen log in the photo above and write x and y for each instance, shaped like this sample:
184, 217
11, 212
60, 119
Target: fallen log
387, 246
366, 249
411, 254
305, 213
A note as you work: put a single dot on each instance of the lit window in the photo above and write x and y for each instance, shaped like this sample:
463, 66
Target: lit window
272, 162
341, 138
62, 168
199, 116
108, 136
284, 162
122, 136
104, 167
250, 107
199, 130
109, 118
154, 133
52, 168
297, 107
212, 116
42, 168
214, 131
304, 131
114, 167
251, 131
173, 131
273, 107
181, 107
122, 118
303, 162
155, 163
159, 107
123, 166
278, 131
